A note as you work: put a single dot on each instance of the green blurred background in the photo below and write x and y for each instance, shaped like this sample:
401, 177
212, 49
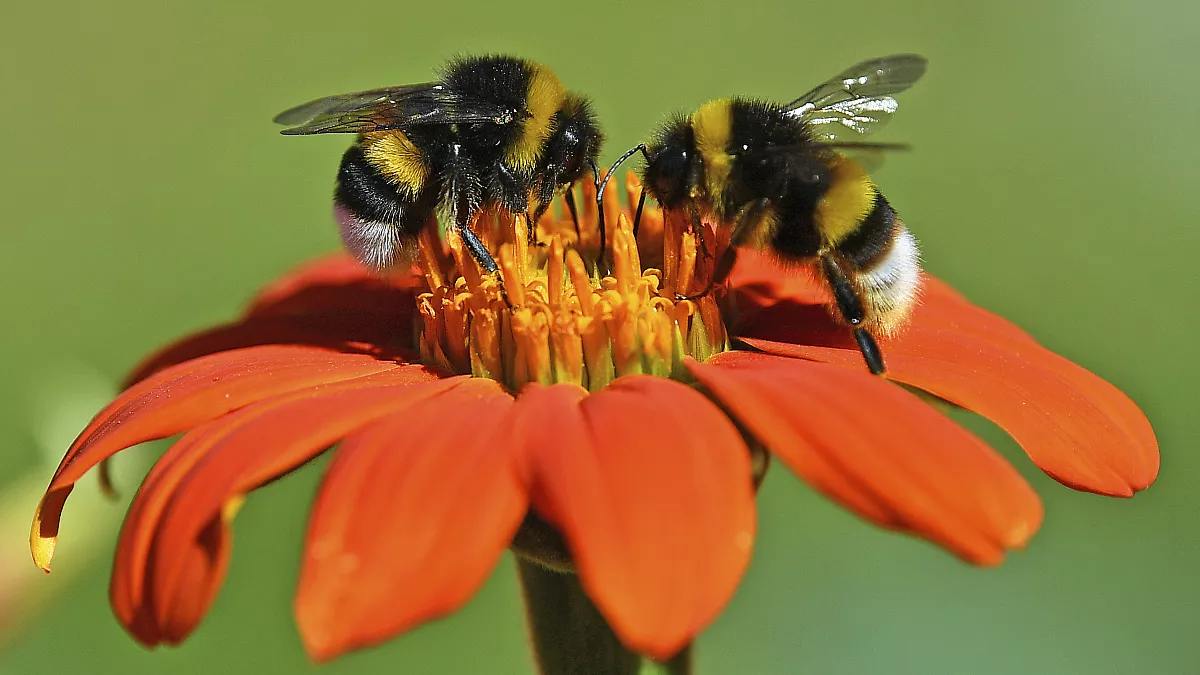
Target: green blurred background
146, 194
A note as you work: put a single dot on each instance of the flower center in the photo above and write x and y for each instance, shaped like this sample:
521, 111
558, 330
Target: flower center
559, 315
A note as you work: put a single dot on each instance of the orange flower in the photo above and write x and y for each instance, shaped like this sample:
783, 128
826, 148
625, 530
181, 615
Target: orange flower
629, 420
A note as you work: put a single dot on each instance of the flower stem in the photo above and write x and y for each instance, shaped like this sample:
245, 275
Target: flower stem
569, 635
680, 664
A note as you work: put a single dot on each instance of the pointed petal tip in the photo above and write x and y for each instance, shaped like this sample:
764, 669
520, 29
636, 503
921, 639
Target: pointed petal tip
1078, 428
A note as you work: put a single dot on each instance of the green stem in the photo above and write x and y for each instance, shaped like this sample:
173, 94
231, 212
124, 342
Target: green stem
569, 635
680, 664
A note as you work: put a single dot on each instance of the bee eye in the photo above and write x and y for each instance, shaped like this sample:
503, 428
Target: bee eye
667, 174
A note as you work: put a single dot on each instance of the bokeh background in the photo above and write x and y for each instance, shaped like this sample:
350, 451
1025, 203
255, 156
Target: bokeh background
1054, 176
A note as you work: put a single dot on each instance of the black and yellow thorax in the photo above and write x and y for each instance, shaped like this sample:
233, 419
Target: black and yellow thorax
755, 151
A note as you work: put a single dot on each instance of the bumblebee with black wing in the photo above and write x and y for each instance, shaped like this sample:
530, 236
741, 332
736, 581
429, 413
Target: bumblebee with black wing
493, 132
774, 176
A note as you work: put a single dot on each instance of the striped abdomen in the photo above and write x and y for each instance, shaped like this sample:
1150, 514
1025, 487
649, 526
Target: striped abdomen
884, 262
379, 205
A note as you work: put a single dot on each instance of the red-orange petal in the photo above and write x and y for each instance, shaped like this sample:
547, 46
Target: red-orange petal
879, 450
412, 516
180, 398
650, 484
364, 334
332, 303
335, 284
1075, 426
170, 557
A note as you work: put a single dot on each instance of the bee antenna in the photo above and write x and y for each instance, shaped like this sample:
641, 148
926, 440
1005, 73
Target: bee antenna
602, 185
599, 210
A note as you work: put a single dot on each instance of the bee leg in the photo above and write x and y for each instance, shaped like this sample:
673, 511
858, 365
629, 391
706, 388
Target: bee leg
474, 246
851, 308
569, 199
600, 212
531, 227
601, 185
637, 216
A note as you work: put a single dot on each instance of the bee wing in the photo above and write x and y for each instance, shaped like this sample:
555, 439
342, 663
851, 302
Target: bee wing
390, 108
858, 100
869, 155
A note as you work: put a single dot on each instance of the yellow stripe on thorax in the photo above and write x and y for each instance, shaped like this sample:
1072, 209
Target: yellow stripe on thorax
712, 126
543, 98
394, 154
847, 201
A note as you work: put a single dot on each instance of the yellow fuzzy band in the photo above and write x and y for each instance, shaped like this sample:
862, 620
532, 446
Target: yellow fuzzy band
542, 100
397, 158
847, 201
712, 125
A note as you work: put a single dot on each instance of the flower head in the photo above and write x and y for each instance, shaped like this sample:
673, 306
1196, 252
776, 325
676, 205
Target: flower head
630, 420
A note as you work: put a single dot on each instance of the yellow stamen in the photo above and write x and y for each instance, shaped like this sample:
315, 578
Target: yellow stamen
550, 316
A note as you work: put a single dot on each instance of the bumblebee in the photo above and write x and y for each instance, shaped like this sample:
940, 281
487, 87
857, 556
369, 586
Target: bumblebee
492, 132
772, 174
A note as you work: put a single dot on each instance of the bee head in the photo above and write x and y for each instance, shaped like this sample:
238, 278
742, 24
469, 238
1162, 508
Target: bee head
672, 171
570, 148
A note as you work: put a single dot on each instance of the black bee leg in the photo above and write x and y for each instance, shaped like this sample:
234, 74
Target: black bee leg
531, 228
478, 251
851, 308
602, 185
600, 213
637, 216
474, 246
569, 199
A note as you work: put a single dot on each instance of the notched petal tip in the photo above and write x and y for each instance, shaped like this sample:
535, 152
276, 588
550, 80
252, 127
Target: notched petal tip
1075, 426
878, 450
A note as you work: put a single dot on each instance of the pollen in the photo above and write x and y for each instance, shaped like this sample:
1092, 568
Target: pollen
558, 312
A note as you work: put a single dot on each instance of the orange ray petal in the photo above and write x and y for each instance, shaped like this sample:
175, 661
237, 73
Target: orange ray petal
650, 484
335, 284
1075, 426
365, 334
182, 397
879, 450
411, 517
170, 557
764, 280
332, 302
331, 284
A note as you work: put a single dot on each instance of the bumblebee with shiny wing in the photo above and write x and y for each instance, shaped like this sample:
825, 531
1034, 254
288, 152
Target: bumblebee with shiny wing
493, 132
774, 175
